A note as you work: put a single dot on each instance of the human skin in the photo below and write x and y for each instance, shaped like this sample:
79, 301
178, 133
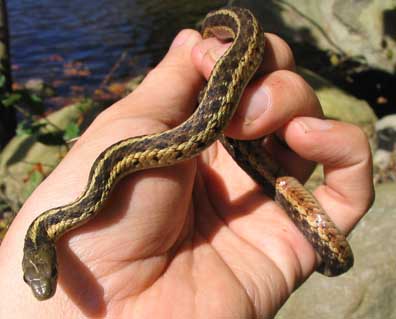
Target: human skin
198, 239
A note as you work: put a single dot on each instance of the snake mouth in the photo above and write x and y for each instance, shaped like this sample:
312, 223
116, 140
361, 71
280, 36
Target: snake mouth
43, 289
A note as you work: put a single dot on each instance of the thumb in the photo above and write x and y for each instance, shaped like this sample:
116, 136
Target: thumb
166, 96
169, 92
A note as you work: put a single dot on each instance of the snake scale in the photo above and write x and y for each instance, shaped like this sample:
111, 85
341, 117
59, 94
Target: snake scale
217, 104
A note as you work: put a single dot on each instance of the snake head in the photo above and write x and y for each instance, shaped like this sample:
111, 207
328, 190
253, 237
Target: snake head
39, 268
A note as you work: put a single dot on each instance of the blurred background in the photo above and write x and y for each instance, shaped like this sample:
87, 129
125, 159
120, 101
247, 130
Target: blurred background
73, 45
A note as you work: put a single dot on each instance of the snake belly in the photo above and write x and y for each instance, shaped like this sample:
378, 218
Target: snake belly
217, 105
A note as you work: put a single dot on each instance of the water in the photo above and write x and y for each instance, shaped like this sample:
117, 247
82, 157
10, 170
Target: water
74, 43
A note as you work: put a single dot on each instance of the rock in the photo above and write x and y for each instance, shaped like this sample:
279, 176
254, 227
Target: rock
36, 85
354, 28
385, 157
384, 166
386, 122
339, 105
39, 87
386, 138
367, 290
25, 162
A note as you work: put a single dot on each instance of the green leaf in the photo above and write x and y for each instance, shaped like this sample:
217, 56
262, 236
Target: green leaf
23, 128
71, 131
35, 178
11, 99
31, 103
28, 127
2, 80
35, 98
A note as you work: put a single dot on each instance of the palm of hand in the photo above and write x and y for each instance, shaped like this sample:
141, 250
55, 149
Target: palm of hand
196, 237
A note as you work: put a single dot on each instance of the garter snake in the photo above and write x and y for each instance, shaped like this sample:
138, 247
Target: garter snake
217, 105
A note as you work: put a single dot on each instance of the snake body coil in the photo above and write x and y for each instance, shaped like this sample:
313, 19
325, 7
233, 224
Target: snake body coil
217, 105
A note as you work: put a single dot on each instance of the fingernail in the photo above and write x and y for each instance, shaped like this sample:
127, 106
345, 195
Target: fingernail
259, 102
314, 124
181, 38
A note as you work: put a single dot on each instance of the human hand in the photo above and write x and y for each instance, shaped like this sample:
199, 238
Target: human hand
198, 239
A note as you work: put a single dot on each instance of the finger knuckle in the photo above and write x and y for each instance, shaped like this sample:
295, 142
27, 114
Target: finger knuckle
298, 88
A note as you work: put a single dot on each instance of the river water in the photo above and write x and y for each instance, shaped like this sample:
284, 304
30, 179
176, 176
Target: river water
74, 43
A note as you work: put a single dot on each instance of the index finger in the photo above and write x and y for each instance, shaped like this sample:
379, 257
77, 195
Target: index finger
277, 54
269, 101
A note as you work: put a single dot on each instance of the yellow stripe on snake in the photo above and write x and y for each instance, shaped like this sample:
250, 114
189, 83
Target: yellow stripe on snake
217, 105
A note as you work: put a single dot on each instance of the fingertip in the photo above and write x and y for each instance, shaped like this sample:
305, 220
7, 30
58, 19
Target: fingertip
307, 136
180, 50
272, 101
309, 124
188, 37
206, 53
327, 141
277, 55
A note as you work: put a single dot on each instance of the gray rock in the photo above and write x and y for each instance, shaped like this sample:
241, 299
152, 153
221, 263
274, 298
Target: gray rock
355, 28
384, 166
368, 289
388, 121
384, 159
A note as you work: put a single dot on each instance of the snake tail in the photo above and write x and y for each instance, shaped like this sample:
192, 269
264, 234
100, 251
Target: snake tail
300, 205
308, 215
